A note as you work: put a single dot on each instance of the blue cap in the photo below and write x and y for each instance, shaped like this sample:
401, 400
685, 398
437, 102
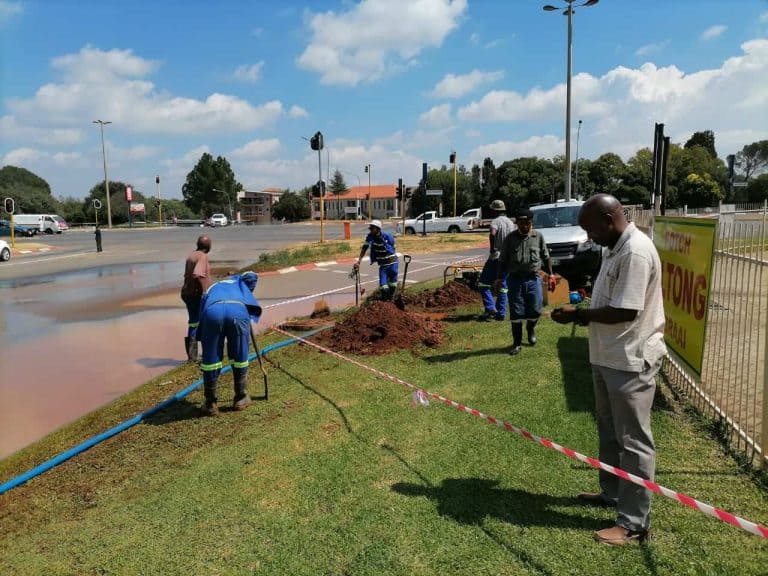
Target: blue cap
250, 279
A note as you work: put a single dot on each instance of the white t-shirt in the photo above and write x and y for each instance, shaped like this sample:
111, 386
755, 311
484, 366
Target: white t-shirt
630, 278
501, 227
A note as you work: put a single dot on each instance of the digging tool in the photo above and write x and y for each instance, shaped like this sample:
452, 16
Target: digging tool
398, 299
356, 275
261, 364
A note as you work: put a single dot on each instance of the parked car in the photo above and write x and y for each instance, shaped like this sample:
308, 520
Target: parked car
5, 251
573, 254
18, 229
218, 220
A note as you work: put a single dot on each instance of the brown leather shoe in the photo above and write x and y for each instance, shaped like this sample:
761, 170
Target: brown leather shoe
618, 536
595, 499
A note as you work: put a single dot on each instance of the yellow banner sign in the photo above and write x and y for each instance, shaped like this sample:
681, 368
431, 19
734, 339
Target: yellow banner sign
686, 247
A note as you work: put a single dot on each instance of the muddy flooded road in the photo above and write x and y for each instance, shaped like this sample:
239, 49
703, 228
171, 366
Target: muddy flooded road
73, 340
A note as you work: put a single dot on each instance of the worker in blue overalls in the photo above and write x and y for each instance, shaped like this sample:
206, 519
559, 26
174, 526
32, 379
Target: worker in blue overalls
226, 311
382, 245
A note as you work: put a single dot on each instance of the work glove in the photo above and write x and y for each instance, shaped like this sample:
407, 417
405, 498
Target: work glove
356, 266
551, 283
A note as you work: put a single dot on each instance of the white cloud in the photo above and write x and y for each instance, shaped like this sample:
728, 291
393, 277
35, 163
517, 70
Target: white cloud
66, 158
764, 16
376, 37
541, 146
474, 38
297, 112
456, 86
9, 9
713, 32
437, 116
257, 148
110, 85
502, 105
22, 156
12, 131
651, 48
248, 73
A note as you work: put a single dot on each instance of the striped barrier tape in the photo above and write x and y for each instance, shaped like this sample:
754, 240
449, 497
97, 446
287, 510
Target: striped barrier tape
420, 397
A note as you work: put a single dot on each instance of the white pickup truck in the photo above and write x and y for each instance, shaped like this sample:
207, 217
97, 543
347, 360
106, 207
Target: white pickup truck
429, 222
477, 214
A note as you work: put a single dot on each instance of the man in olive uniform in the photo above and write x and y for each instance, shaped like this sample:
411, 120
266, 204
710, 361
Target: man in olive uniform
523, 255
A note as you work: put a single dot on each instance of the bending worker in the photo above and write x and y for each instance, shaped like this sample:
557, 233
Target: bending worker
382, 245
501, 227
226, 312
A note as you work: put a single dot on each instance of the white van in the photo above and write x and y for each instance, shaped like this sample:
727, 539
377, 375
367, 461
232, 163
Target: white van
40, 223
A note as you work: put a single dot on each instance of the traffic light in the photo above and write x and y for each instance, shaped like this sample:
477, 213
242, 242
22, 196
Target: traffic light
9, 205
318, 189
731, 161
453, 158
157, 179
366, 168
424, 175
316, 142
408, 193
399, 189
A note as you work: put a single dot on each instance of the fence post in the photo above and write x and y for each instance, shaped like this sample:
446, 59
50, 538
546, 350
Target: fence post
685, 210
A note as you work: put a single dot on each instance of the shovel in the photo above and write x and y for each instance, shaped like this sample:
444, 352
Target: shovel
399, 302
261, 364
356, 275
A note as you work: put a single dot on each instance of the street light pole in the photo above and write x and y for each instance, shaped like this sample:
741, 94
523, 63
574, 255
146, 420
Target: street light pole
578, 134
569, 13
453, 161
101, 124
369, 169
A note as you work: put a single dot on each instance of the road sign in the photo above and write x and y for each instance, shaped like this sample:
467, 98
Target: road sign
97, 203
434, 192
739, 184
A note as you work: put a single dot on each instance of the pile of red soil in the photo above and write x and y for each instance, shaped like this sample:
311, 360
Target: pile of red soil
380, 327
447, 296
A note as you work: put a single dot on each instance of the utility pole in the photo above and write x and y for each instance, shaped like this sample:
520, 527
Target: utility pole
453, 161
101, 124
159, 204
316, 143
369, 169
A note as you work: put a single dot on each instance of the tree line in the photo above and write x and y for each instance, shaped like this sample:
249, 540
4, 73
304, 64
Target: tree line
696, 177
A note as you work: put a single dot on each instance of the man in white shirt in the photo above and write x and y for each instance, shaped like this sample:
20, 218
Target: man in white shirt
501, 227
626, 347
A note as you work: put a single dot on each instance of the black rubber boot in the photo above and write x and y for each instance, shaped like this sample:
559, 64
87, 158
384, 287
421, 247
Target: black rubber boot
186, 346
191, 349
242, 398
530, 327
517, 338
210, 408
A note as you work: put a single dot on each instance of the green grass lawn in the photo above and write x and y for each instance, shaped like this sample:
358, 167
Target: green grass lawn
338, 474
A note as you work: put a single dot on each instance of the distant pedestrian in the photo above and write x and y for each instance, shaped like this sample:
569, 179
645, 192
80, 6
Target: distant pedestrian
523, 255
501, 227
197, 279
626, 347
97, 233
226, 311
383, 253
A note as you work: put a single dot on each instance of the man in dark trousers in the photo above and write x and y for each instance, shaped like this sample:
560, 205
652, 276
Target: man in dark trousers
626, 346
382, 245
97, 233
226, 311
197, 279
523, 255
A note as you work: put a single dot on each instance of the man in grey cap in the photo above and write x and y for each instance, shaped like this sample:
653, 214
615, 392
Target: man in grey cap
501, 226
382, 245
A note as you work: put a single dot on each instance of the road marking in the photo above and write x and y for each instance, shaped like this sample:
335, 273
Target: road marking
15, 262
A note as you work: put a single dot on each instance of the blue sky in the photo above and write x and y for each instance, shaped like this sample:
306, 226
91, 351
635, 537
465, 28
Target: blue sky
391, 83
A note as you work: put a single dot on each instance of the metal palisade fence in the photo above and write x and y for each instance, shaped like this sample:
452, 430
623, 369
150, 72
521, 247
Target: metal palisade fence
733, 387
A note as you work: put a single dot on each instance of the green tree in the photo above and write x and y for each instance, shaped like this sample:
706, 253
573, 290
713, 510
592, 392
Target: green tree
527, 181
31, 193
757, 188
699, 191
705, 139
753, 158
208, 176
607, 174
695, 160
117, 202
292, 206
72, 210
337, 184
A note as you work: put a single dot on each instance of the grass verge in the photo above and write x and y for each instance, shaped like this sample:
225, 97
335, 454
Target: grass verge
338, 474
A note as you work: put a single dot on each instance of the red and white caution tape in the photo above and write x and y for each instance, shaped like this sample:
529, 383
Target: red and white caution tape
421, 397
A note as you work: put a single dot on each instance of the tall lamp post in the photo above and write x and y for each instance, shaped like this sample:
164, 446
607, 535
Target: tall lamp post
368, 170
101, 124
578, 133
568, 11
452, 158
229, 203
